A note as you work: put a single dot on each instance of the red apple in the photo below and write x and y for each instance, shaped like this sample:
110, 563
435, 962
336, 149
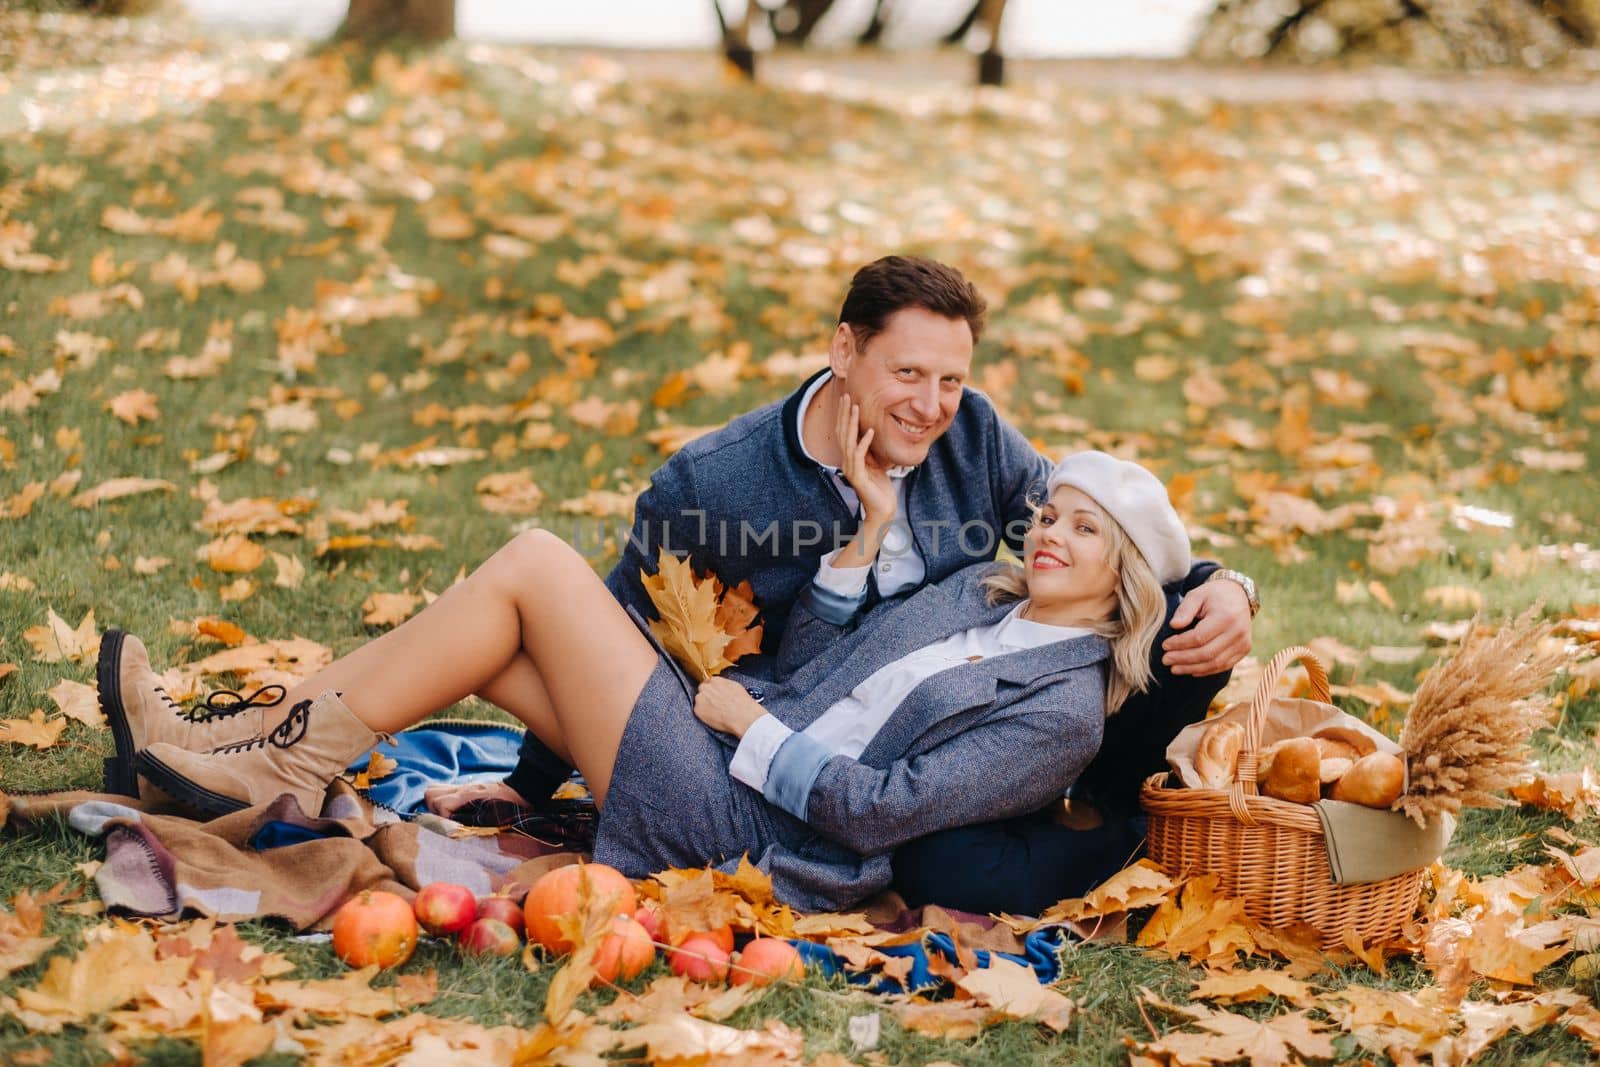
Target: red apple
722, 935
374, 927
505, 909
624, 952
700, 959
445, 908
490, 937
767, 959
648, 917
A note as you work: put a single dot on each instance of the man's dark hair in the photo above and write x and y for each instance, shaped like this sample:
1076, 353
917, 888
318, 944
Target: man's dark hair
894, 283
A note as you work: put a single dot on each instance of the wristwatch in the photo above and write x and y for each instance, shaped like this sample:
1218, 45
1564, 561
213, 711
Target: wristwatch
1243, 581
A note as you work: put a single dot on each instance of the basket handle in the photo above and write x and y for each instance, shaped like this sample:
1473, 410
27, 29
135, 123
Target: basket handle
1244, 780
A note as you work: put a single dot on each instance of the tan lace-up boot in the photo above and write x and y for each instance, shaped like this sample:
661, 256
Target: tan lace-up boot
141, 713
300, 756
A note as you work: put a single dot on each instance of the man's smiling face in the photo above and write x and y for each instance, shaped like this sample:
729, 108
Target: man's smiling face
907, 381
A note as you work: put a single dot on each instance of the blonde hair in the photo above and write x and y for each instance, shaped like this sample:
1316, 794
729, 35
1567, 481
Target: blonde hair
1133, 626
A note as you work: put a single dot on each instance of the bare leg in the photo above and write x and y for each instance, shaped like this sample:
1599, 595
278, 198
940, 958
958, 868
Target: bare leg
520, 690
536, 599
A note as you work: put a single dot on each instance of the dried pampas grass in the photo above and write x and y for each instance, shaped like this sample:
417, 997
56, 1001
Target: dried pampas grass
1466, 735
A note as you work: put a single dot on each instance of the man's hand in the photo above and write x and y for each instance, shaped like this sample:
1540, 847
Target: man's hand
446, 800
723, 705
1215, 620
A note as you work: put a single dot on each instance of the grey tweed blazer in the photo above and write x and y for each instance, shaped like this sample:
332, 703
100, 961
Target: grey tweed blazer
996, 738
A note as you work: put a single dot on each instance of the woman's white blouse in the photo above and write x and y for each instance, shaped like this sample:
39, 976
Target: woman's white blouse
850, 725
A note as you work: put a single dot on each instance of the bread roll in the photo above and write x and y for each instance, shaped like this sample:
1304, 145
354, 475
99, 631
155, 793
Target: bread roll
1334, 768
1375, 780
1360, 742
1295, 774
1219, 754
1333, 748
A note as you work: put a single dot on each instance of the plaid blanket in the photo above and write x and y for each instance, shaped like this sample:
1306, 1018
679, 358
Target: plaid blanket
274, 861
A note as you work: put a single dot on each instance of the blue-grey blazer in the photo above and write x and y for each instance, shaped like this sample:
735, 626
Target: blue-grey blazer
999, 737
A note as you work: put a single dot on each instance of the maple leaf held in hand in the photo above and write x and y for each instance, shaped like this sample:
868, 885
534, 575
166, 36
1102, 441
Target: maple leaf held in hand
703, 628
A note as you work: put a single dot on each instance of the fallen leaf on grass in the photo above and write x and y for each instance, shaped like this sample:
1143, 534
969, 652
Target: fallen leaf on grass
1575, 794
1014, 991
674, 994
1242, 987
117, 964
117, 488
685, 1040
291, 572
952, 1020
55, 641
77, 701
1200, 924
33, 731
1227, 1038
19, 505
510, 493
600, 504
1505, 948
1140, 885
347, 995
21, 933
233, 554
134, 405
388, 609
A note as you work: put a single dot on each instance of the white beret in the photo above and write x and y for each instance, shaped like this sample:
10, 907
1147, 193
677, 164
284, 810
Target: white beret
1137, 500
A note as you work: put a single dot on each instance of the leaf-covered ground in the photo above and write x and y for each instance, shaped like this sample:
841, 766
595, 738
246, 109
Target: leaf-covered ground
292, 338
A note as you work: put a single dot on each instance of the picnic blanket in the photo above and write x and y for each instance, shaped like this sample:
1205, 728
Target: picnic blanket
275, 861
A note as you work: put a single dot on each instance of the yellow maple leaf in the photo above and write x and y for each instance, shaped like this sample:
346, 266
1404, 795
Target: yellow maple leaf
1201, 924
1244, 986
691, 623
1227, 1038
389, 609
33, 731
134, 405
233, 554
1014, 991
1139, 885
55, 641
77, 701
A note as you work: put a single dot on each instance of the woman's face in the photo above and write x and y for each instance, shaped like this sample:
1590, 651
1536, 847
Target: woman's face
1064, 558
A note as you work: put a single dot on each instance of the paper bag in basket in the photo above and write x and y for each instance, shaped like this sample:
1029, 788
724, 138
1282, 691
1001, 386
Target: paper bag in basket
1364, 845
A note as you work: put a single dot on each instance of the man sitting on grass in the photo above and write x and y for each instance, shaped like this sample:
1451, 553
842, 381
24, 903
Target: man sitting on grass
742, 503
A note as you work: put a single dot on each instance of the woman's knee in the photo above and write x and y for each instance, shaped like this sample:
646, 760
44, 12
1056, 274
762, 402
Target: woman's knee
532, 553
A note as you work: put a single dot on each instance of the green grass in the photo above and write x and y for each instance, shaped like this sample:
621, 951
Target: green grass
1363, 218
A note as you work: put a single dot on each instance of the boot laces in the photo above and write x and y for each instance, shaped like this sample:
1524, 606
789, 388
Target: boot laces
225, 703
287, 733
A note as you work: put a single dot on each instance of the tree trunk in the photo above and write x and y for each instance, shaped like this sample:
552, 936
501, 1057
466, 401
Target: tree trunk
423, 20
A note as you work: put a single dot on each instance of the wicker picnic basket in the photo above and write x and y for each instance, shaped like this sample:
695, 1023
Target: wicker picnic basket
1270, 853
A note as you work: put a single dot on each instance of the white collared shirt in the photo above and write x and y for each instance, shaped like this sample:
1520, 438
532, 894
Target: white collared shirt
900, 566
847, 727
